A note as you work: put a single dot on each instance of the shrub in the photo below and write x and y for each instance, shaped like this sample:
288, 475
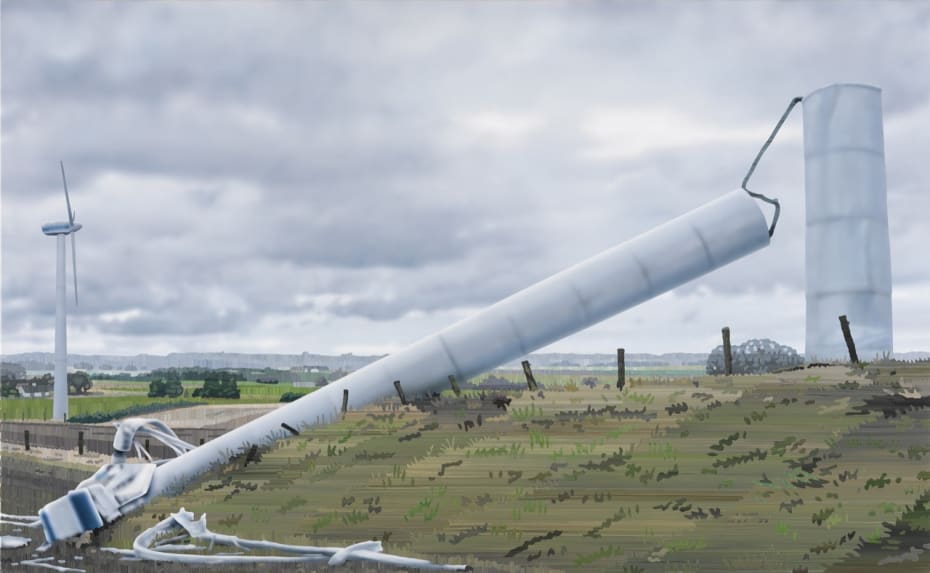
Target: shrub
79, 382
159, 388
291, 396
755, 356
8, 389
218, 387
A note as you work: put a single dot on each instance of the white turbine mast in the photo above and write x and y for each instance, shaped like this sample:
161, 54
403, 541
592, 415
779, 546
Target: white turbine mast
60, 230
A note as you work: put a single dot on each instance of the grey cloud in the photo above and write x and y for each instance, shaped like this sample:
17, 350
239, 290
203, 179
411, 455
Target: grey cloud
175, 323
314, 159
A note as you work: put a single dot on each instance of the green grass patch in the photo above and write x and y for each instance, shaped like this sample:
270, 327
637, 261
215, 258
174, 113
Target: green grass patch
82, 407
18, 409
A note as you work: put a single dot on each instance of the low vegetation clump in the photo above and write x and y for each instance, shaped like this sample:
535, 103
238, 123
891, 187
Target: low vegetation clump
170, 386
291, 396
138, 410
220, 385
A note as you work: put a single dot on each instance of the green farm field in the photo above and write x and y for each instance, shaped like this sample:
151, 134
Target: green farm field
110, 396
821, 469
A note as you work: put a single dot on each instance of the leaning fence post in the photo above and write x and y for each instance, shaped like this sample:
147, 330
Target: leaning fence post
850, 344
455, 385
400, 392
727, 352
81, 443
621, 368
528, 372
26, 439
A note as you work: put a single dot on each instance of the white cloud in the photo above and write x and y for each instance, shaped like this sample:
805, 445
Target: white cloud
323, 177
121, 316
496, 127
911, 317
631, 131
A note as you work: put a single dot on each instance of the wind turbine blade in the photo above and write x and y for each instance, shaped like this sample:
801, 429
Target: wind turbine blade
64, 180
74, 266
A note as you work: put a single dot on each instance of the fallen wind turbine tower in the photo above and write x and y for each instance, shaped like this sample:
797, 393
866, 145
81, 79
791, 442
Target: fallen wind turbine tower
690, 246
60, 231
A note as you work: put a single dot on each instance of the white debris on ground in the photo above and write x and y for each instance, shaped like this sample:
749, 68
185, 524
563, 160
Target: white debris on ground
44, 563
156, 544
151, 545
13, 541
20, 521
910, 393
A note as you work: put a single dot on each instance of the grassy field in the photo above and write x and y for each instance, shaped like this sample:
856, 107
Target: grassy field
636, 371
112, 396
251, 392
813, 470
116, 395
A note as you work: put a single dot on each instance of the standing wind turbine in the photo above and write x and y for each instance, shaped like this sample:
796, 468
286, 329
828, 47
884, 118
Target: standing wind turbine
59, 231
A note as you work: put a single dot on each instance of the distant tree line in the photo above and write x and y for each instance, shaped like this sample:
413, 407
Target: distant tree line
12, 375
186, 373
123, 376
167, 382
12, 371
263, 375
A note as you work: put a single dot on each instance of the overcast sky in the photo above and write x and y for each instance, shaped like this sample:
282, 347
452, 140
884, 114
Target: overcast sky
323, 177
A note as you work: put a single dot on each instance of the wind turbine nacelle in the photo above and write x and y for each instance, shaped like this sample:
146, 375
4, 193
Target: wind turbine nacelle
63, 228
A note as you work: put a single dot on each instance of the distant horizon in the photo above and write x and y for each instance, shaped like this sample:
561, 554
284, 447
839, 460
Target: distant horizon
542, 352
166, 354
353, 361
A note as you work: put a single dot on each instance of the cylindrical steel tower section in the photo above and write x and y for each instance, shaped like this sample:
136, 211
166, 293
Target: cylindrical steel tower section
642, 268
848, 258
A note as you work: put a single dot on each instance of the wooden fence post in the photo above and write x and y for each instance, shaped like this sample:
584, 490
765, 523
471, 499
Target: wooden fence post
455, 385
26, 439
727, 352
528, 372
81, 443
850, 344
400, 392
621, 368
